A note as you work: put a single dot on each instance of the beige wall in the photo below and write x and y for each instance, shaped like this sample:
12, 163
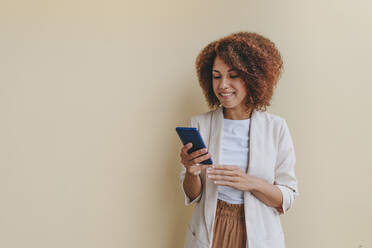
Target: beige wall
91, 91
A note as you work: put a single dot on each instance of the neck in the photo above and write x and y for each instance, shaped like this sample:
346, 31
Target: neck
237, 113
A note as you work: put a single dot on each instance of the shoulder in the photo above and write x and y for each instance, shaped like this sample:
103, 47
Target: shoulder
272, 123
203, 116
270, 118
280, 127
202, 119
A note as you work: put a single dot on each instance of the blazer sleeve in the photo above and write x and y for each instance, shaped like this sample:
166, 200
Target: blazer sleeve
188, 201
285, 178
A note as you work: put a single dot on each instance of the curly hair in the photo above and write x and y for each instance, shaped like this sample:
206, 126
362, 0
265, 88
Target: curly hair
256, 59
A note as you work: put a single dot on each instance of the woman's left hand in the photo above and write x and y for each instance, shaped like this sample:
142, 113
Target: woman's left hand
231, 175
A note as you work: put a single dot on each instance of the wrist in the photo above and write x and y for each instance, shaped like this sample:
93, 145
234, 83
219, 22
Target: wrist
255, 184
191, 175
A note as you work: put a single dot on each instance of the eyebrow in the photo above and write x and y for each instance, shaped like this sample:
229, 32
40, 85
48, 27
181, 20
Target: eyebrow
227, 71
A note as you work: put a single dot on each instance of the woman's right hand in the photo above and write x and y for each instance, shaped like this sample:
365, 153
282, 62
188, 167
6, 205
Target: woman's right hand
192, 161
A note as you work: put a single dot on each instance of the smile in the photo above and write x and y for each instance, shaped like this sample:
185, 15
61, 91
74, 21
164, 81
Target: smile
226, 95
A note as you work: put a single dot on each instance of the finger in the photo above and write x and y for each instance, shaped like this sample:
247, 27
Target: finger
197, 153
223, 172
223, 178
201, 158
226, 167
225, 183
223, 167
185, 163
184, 155
186, 148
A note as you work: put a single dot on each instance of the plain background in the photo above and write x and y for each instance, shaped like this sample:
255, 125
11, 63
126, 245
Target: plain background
91, 91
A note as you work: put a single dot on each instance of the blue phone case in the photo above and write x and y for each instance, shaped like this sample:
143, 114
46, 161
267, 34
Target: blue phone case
191, 134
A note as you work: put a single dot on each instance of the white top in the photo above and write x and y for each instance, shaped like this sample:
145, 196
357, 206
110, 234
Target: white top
234, 151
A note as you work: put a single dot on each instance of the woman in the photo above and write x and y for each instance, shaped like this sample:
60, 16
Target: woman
239, 199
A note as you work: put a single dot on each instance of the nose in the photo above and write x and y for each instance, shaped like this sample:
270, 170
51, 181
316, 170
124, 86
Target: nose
224, 83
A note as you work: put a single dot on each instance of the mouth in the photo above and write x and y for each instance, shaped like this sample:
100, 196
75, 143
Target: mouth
226, 94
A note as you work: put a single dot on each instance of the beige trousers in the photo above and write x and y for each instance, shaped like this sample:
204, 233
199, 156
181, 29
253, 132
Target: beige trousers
229, 226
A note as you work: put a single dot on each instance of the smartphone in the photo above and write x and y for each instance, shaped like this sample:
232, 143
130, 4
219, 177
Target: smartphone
191, 134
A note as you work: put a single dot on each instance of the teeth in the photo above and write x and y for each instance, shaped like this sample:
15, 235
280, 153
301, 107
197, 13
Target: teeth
226, 94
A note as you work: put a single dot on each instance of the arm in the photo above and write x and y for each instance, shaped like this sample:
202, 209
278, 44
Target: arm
190, 179
267, 193
191, 183
283, 192
192, 186
279, 195
235, 177
285, 178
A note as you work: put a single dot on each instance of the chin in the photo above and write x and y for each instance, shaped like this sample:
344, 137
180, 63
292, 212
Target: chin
228, 105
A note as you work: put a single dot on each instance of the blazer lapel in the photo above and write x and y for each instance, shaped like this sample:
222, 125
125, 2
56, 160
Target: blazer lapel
256, 145
214, 149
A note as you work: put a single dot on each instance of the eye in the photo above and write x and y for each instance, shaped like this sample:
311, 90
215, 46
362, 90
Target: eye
216, 77
234, 76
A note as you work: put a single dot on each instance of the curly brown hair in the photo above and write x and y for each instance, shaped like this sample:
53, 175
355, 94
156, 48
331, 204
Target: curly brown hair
256, 59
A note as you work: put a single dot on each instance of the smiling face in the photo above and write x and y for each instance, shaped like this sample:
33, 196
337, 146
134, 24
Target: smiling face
228, 86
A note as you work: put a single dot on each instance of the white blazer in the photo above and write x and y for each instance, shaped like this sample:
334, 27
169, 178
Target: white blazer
272, 158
